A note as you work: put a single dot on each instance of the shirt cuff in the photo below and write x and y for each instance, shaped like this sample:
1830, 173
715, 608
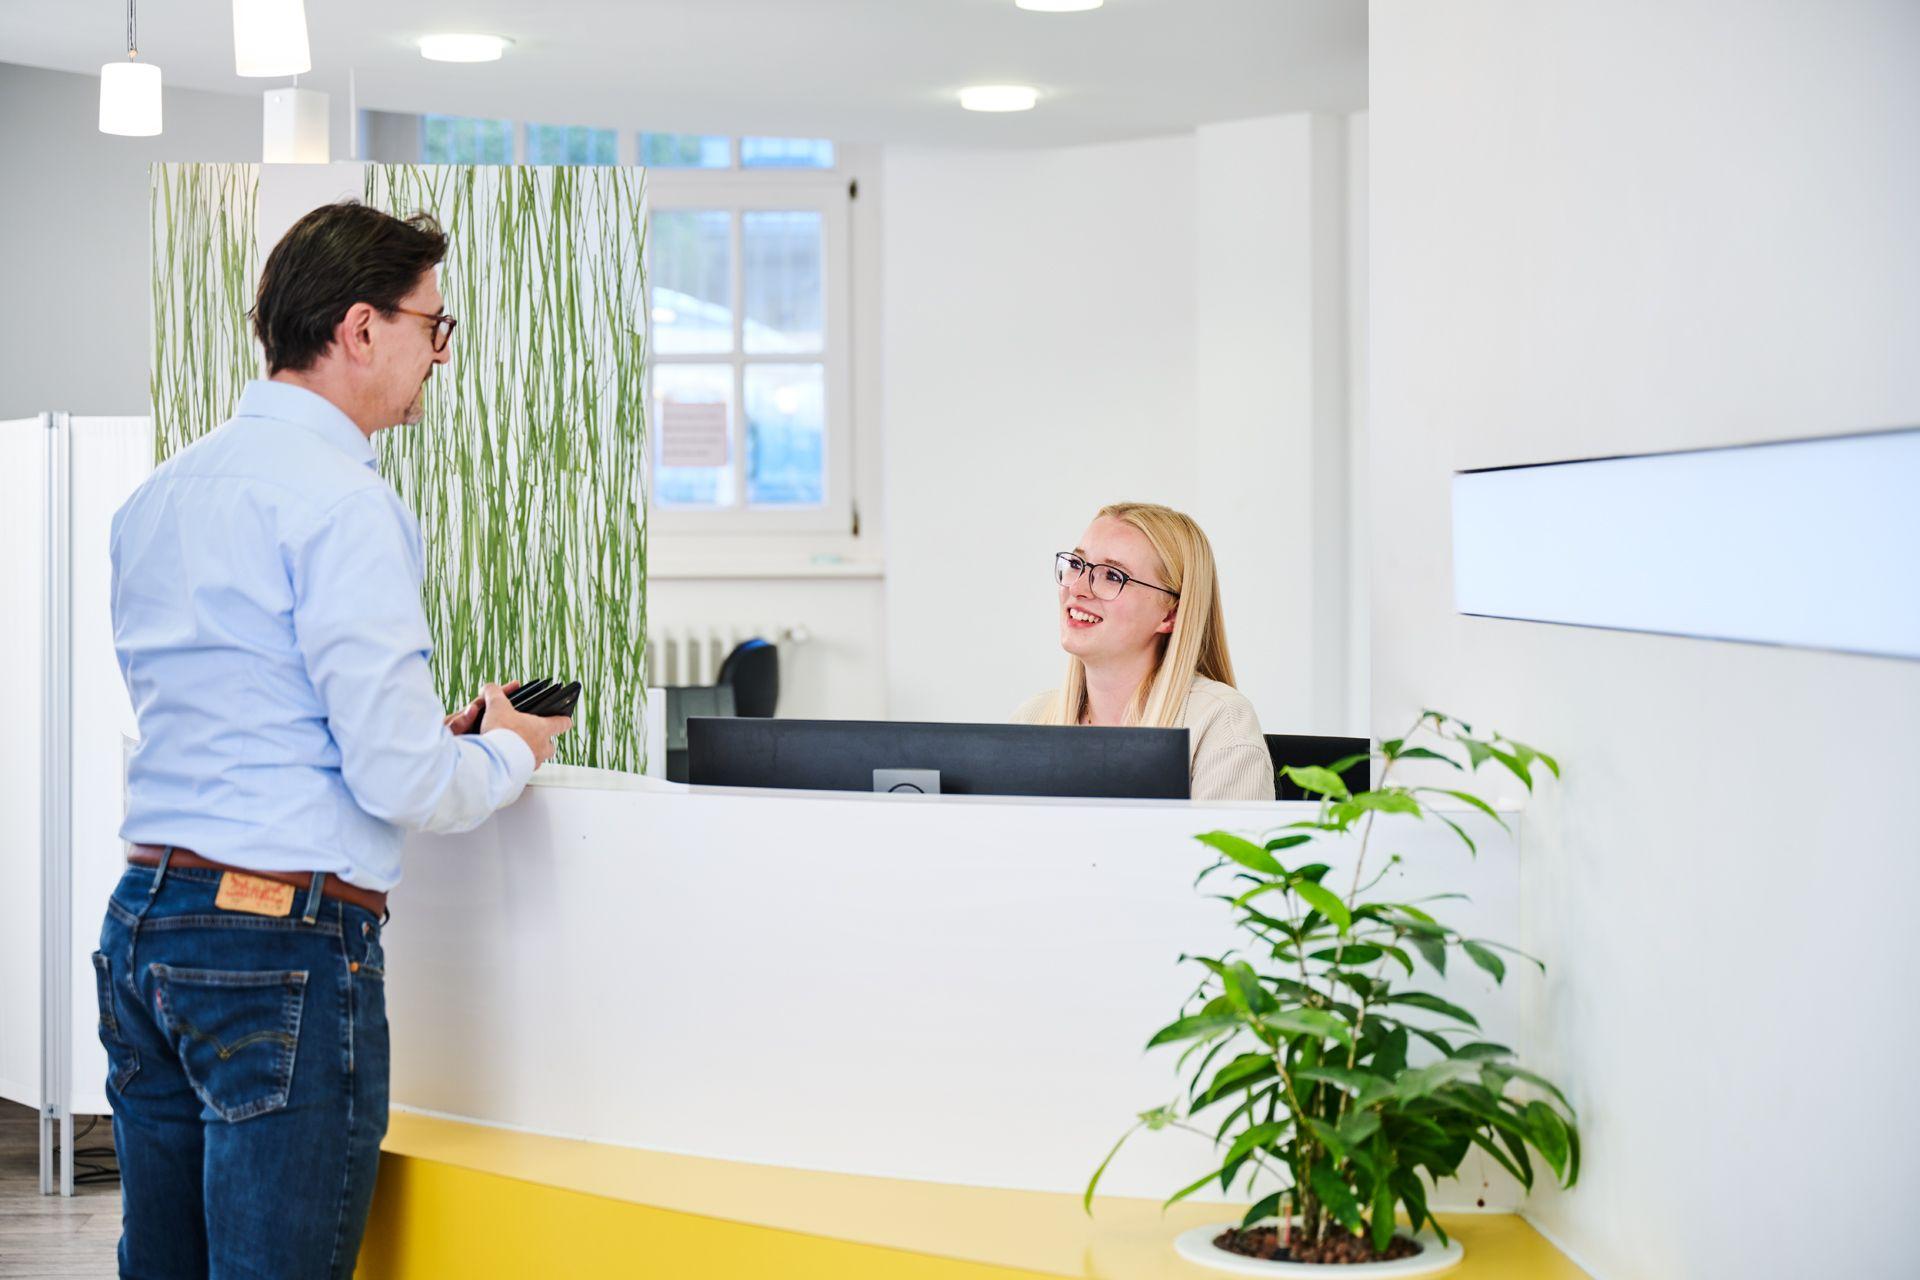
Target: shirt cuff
515, 752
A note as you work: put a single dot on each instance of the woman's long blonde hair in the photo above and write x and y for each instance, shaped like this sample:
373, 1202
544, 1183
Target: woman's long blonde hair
1197, 644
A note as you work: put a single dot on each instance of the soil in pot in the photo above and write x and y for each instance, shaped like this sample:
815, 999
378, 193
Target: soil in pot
1335, 1248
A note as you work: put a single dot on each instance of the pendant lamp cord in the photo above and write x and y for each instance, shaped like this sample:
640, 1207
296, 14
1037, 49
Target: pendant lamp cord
133, 44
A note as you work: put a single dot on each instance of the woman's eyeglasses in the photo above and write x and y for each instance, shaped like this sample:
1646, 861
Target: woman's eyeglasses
442, 325
1106, 581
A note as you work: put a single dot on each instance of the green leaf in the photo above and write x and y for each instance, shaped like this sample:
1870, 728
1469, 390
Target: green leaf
1481, 1050
1326, 902
1286, 842
1257, 1138
1407, 1183
1432, 1004
1534, 753
1358, 1127
1086, 1201
1335, 1194
1243, 1072
1421, 1082
1468, 798
1492, 963
1190, 1188
1345, 763
1432, 948
1422, 753
1319, 781
1266, 1207
1548, 1132
1243, 851
1393, 800
1461, 832
1514, 765
1353, 1081
1309, 1022
1348, 953
1327, 1136
1199, 1024
1382, 1224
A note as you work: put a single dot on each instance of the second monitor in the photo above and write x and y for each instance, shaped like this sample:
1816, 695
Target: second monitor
971, 759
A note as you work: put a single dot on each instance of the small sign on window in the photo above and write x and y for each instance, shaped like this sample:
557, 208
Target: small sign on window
692, 435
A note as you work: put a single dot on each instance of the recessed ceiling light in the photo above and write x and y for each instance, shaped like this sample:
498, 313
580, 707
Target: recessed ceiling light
1059, 6
999, 97
463, 48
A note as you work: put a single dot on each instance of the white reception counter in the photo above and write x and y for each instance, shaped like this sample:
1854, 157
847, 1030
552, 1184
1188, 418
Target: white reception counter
942, 988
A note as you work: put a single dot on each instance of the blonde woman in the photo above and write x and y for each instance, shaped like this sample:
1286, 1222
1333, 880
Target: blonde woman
1146, 645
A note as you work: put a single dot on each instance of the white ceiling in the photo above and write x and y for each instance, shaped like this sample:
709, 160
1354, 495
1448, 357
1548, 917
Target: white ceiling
857, 70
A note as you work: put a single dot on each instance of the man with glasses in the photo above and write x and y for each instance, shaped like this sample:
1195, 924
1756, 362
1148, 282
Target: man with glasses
267, 616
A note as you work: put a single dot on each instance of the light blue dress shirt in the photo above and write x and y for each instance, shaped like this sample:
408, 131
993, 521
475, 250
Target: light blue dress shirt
267, 616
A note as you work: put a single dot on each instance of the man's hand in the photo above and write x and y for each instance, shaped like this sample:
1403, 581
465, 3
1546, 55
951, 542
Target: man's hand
538, 732
467, 719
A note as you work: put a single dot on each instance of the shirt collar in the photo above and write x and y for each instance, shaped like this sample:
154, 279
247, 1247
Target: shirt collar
284, 402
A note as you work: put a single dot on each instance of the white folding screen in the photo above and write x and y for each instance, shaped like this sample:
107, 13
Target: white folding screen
61, 479
23, 584
108, 458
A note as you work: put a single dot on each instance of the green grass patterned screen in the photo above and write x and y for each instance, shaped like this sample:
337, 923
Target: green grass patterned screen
528, 472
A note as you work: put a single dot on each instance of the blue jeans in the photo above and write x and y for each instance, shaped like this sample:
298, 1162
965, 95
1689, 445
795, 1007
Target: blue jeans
247, 1067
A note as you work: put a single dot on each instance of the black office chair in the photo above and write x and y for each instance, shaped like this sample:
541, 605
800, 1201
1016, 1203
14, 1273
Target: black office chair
1300, 750
753, 671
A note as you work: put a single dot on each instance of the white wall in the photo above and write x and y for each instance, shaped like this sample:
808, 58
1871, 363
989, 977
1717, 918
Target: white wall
74, 243
1601, 228
1162, 320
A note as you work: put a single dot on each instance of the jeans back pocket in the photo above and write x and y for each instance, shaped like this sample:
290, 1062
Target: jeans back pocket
123, 1061
235, 1033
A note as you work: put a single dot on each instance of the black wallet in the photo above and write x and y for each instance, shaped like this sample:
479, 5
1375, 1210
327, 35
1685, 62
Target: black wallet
544, 697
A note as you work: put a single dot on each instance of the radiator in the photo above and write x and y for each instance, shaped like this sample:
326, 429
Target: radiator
684, 655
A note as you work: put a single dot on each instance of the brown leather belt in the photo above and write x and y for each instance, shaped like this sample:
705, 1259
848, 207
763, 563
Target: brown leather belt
148, 855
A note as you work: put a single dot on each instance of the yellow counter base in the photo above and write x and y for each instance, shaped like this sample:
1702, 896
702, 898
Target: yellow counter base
464, 1200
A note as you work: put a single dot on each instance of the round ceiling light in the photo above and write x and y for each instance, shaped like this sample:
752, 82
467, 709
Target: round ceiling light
1059, 6
999, 97
463, 48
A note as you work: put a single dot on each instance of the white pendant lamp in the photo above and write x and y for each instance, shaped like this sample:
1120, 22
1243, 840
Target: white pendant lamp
130, 91
270, 38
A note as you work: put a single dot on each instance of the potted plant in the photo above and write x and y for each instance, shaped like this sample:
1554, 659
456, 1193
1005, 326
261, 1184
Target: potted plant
1342, 1085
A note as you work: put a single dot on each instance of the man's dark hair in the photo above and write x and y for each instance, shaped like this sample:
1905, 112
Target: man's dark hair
336, 256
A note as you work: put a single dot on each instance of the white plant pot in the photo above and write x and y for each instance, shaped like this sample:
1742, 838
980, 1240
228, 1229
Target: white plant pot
1197, 1246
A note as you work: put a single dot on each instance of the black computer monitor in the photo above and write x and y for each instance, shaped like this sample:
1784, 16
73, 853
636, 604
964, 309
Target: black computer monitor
1301, 750
972, 759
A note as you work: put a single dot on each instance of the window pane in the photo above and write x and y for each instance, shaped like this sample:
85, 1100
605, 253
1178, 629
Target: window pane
786, 434
684, 151
786, 153
465, 140
782, 251
692, 424
570, 144
692, 278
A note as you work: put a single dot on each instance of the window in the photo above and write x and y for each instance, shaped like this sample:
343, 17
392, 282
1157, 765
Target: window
571, 144
748, 277
786, 153
685, 151
465, 140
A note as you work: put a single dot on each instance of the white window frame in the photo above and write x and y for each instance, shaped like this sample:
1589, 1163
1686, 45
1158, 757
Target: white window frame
740, 191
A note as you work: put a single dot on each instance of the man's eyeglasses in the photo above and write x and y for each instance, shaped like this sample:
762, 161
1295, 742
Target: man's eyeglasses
442, 325
1106, 581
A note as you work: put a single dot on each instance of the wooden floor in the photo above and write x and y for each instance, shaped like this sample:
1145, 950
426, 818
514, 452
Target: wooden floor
48, 1236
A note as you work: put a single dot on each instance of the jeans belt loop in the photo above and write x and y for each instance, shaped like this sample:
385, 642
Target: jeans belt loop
312, 912
159, 873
